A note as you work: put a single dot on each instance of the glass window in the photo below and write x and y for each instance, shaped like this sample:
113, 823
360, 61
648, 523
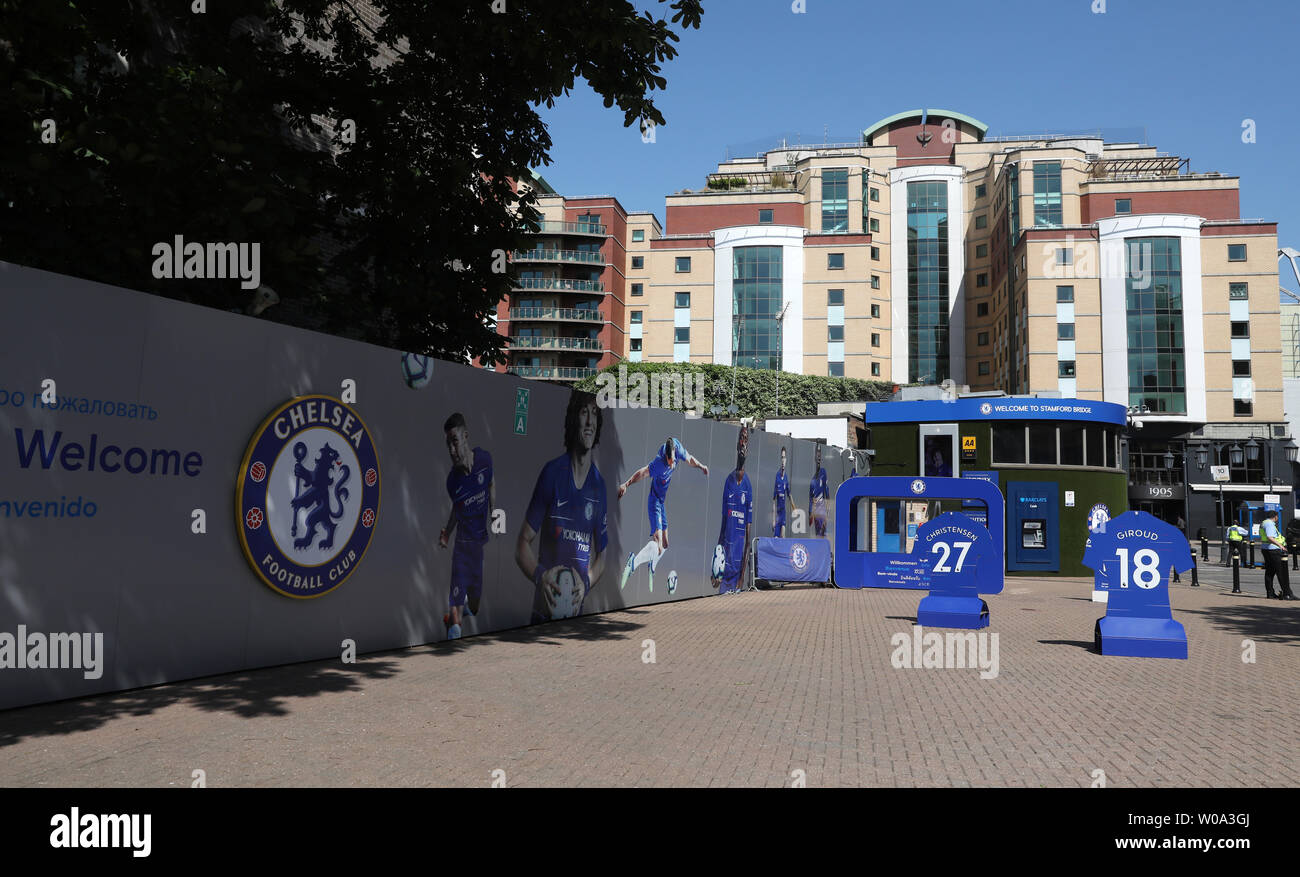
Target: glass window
1065, 331
875, 369
875, 281
983, 368
875, 254
980, 191
1095, 440
638, 234
1241, 329
1008, 443
982, 309
835, 199
834, 333
981, 251
636, 344
982, 340
835, 369
764, 217
928, 339
981, 280
875, 339
1065, 368
757, 297
875, 310
638, 261
1042, 443
1123, 206
874, 225
1047, 194
682, 334
982, 221
1242, 408
834, 297
683, 264
835, 261
1157, 376
1238, 291
1065, 294
1236, 252
681, 299
1065, 255
875, 194
636, 316
1071, 444
1241, 368
638, 289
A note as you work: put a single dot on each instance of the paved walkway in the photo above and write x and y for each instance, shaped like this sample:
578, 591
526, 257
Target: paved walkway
745, 691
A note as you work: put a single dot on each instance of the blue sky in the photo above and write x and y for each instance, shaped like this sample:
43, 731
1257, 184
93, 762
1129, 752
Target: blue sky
1189, 72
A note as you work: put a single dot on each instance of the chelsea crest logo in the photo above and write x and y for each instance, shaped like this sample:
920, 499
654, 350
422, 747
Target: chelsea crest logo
308, 496
799, 556
918, 486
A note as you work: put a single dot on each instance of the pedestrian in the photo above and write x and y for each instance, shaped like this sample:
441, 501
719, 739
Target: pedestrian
1293, 540
1274, 558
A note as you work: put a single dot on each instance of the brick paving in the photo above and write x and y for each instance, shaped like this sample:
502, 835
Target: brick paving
746, 690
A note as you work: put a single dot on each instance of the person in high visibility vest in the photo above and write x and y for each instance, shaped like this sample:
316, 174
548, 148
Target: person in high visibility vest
1237, 536
1275, 558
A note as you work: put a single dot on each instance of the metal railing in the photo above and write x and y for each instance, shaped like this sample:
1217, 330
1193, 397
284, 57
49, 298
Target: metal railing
551, 372
560, 284
552, 342
553, 226
543, 255
580, 314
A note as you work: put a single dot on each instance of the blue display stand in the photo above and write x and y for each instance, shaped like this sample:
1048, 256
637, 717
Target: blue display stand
792, 560
954, 557
1134, 553
958, 549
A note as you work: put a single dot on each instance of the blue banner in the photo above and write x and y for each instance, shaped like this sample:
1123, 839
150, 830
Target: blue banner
792, 560
997, 408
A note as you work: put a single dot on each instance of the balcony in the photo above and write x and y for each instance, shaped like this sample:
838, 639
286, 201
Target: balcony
560, 284
548, 226
542, 342
580, 257
580, 315
551, 372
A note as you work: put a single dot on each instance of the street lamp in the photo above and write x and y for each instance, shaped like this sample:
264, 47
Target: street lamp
1291, 450
1235, 455
780, 340
1169, 459
1252, 451
1202, 457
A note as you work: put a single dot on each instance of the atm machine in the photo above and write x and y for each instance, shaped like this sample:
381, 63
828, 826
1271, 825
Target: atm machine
1033, 526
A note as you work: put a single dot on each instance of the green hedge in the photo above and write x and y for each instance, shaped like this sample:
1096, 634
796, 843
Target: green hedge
755, 389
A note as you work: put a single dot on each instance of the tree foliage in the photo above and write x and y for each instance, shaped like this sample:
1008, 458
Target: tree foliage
228, 126
755, 390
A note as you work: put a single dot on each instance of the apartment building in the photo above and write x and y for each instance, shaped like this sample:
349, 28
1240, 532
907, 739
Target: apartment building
930, 251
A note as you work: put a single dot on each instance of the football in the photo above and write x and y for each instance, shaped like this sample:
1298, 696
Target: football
719, 562
672, 581
564, 607
417, 369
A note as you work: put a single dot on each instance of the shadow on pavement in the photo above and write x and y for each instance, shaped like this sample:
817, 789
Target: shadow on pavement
1087, 645
1266, 620
269, 691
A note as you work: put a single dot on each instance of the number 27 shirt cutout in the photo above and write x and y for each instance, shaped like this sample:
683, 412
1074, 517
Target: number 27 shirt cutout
1134, 553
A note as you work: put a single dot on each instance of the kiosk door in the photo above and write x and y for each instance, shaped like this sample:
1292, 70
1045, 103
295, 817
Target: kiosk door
1033, 526
889, 518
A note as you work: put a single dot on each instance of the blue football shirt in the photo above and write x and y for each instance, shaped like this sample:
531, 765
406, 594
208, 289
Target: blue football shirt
781, 491
819, 489
737, 514
471, 497
1114, 551
571, 521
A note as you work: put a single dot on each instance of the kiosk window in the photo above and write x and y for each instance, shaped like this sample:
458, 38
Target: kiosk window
1042, 443
1071, 445
1033, 533
1008, 443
